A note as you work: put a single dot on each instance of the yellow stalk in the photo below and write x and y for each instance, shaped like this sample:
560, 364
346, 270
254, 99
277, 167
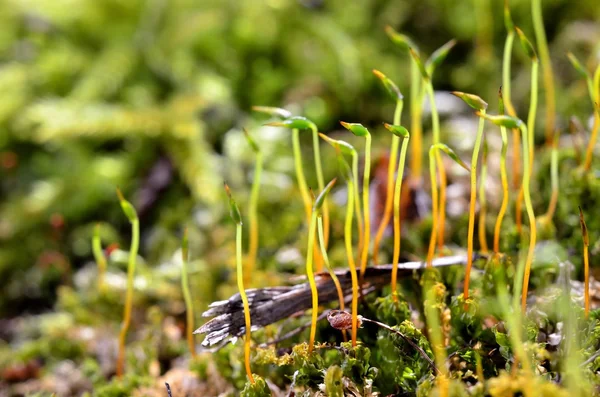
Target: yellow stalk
434, 207
586, 263
189, 306
99, 256
359, 217
350, 258
416, 127
482, 201
504, 179
397, 195
365, 199
311, 280
253, 210
387, 214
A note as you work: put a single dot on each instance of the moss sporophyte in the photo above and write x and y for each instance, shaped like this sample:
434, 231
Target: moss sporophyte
236, 216
131, 215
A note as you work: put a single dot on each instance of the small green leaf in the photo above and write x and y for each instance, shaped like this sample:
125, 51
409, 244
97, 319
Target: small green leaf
502, 120
389, 85
438, 57
234, 210
527, 46
184, 246
355, 128
401, 40
397, 130
578, 66
323, 195
472, 100
251, 142
128, 209
419, 63
500, 101
296, 122
508, 22
343, 146
272, 111
443, 147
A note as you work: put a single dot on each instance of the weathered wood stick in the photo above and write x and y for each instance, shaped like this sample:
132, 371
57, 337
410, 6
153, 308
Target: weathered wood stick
269, 305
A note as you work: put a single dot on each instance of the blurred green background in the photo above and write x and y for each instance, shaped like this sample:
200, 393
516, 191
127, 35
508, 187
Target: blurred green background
150, 96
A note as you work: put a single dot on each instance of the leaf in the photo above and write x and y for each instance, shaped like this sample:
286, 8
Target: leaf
473, 101
397, 130
296, 122
355, 128
438, 56
443, 147
502, 120
527, 46
389, 85
273, 111
234, 210
419, 63
508, 22
128, 209
343, 146
401, 40
251, 141
578, 66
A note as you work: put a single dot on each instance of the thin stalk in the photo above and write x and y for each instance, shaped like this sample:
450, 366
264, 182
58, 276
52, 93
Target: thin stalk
533, 102
321, 183
504, 179
350, 258
434, 208
387, 214
542, 44
397, 229
99, 256
482, 200
530, 214
240, 283
586, 263
359, 217
311, 281
300, 173
133, 251
472, 203
332, 274
237, 218
253, 210
554, 180
416, 127
435, 335
187, 297
435, 121
365, 202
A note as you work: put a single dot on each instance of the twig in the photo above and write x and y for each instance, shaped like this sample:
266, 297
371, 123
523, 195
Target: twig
168, 390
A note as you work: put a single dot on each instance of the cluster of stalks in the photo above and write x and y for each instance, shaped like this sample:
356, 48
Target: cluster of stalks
317, 209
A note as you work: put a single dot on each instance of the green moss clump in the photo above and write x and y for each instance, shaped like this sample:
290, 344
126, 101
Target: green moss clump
257, 389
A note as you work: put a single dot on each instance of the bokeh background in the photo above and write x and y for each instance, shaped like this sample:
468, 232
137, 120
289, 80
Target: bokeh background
151, 96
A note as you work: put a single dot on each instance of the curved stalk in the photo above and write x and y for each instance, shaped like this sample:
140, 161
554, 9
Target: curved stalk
311, 280
586, 263
554, 180
472, 203
435, 121
387, 214
237, 218
530, 214
300, 173
359, 217
397, 229
99, 256
482, 201
416, 127
434, 208
350, 258
332, 274
542, 44
366, 203
589, 154
133, 251
253, 208
321, 183
504, 179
